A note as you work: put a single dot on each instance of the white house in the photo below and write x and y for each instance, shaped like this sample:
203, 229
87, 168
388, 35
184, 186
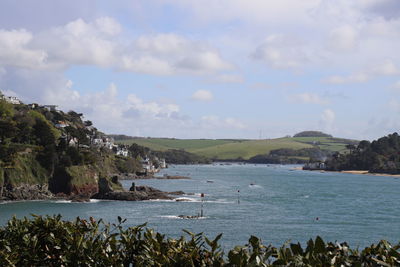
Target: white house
122, 152
163, 164
50, 107
12, 100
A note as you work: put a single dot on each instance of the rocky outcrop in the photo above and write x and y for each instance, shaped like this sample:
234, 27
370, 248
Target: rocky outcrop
132, 196
136, 193
26, 192
173, 177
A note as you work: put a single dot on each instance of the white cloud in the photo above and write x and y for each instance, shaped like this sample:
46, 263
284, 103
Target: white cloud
146, 64
308, 98
99, 43
343, 39
396, 85
203, 62
215, 122
386, 68
202, 95
15, 50
252, 11
353, 78
168, 53
235, 123
327, 120
282, 52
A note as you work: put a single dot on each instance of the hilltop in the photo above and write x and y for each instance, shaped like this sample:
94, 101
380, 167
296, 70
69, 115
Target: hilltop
302, 146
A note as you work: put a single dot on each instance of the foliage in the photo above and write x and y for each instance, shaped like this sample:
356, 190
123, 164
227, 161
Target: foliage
35, 148
379, 156
174, 156
127, 165
312, 134
6, 109
51, 241
290, 156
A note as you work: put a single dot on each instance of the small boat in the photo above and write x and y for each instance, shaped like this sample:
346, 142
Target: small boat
210, 181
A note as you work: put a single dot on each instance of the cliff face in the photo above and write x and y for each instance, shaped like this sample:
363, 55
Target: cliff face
83, 179
26, 179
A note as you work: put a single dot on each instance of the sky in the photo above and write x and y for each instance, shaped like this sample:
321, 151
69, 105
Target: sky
211, 68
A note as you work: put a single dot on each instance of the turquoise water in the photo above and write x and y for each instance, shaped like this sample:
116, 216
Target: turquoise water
276, 204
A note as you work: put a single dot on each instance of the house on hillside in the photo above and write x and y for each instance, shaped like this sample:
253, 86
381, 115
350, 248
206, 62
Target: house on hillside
104, 142
163, 164
50, 107
33, 105
12, 100
73, 142
315, 166
122, 152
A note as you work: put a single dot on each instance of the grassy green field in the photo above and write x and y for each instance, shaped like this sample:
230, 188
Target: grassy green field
225, 149
247, 149
162, 144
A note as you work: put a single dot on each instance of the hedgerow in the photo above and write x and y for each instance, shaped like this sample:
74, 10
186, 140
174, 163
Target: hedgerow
52, 241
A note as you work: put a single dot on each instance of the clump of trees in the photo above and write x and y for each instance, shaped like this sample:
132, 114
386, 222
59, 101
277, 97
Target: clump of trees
379, 156
290, 156
312, 134
51, 241
176, 156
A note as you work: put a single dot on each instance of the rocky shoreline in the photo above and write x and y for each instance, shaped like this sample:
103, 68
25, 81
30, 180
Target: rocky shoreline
28, 192
132, 176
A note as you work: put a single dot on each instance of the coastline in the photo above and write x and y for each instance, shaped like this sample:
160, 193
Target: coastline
352, 172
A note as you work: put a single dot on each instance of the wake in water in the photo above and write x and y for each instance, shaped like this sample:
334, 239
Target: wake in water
183, 217
255, 186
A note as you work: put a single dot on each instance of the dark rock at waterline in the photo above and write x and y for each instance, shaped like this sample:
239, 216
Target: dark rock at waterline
132, 195
173, 177
176, 193
135, 193
79, 198
104, 186
25, 192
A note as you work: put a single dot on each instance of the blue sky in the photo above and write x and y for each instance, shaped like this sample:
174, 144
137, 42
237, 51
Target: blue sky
209, 69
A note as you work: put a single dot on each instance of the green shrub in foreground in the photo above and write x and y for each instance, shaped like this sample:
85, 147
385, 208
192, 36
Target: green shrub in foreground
50, 241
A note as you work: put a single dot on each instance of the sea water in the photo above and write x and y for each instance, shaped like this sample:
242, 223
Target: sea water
276, 203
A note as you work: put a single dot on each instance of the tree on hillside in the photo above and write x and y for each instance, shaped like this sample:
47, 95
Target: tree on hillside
312, 134
7, 129
44, 133
351, 148
382, 155
6, 109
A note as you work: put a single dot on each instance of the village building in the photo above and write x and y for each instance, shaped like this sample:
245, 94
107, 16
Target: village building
122, 152
50, 107
314, 166
12, 100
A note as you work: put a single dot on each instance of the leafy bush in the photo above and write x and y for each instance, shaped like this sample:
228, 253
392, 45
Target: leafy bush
50, 241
